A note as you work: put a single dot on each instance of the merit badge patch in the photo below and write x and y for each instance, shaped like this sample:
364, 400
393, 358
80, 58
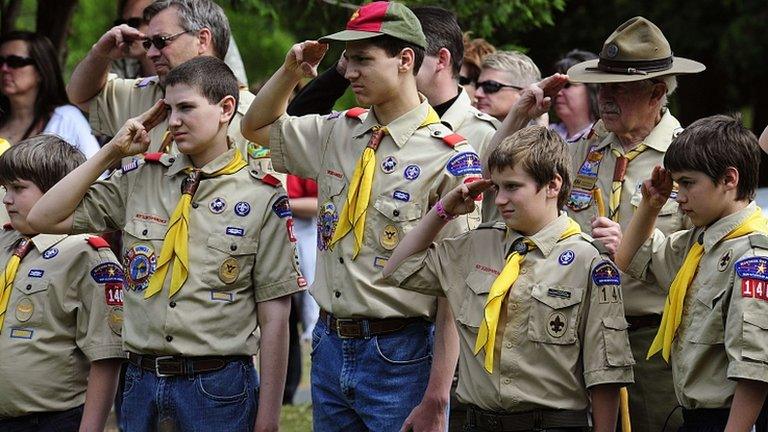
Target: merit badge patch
557, 325
566, 257
222, 296
139, 262
113, 293
411, 172
389, 237
606, 274
326, 224
401, 195
107, 272
115, 320
235, 231
242, 208
229, 270
217, 205
725, 259
256, 151
463, 164
389, 164
36, 273
24, 310
579, 200
50, 253
281, 207
21, 333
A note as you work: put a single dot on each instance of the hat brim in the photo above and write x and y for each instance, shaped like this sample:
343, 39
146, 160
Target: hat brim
587, 72
349, 35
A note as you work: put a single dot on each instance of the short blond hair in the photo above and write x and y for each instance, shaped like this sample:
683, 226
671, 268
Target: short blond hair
523, 70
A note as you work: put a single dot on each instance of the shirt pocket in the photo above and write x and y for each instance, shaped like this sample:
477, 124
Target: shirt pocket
755, 336
707, 327
554, 314
395, 219
142, 243
229, 261
30, 308
616, 341
473, 307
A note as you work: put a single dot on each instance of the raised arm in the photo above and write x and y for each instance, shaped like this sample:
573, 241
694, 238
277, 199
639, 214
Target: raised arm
320, 94
90, 76
272, 100
53, 212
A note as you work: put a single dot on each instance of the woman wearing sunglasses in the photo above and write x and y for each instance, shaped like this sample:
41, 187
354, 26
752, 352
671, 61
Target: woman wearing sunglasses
576, 104
32, 95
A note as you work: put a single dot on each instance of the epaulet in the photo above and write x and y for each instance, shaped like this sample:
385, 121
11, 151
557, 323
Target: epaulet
485, 117
97, 242
453, 139
266, 178
159, 158
7, 227
600, 247
355, 112
146, 82
494, 224
153, 157
759, 241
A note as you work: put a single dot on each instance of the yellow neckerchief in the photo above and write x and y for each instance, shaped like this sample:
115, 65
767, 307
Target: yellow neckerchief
6, 283
618, 177
486, 337
673, 307
355, 207
4, 145
175, 248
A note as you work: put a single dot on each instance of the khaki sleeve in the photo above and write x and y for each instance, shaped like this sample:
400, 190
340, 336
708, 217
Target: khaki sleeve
102, 209
117, 102
659, 259
606, 354
276, 272
746, 323
100, 310
298, 144
435, 270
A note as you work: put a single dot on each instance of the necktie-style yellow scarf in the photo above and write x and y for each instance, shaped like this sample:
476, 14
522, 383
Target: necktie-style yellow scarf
8, 276
673, 307
486, 337
175, 249
352, 216
619, 171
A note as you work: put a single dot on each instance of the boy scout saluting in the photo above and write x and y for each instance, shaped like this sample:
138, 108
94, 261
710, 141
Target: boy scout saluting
207, 258
60, 305
378, 173
713, 331
538, 304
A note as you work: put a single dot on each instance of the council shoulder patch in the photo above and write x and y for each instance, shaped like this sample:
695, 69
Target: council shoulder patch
606, 273
107, 273
281, 207
755, 268
463, 164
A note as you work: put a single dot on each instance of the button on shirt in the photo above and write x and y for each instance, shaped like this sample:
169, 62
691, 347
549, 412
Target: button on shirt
560, 332
239, 254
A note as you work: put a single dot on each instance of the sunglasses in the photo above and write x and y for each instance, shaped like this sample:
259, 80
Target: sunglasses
134, 22
15, 62
161, 42
465, 80
491, 86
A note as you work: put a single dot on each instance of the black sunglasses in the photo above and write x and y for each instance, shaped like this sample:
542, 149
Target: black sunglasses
15, 62
134, 22
161, 42
465, 80
491, 86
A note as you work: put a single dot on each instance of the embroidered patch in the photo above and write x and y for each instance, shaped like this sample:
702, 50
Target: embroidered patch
389, 164
256, 151
115, 320
463, 164
151, 218
401, 195
36, 273
558, 293
107, 272
579, 200
606, 274
50, 253
130, 166
389, 237
113, 293
141, 262
333, 115
24, 310
557, 325
21, 333
566, 257
229, 270
235, 231
242, 208
753, 268
326, 224
380, 262
411, 172
725, 259
222, 296
334, 174
282, 207
217, 205
609, 294
752, 288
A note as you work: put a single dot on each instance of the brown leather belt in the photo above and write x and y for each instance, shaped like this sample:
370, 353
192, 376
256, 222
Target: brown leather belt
526, 421
165, 366
362, 327
643, 321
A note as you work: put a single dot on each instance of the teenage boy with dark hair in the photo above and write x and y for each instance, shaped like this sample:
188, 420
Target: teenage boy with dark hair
60, 305
537, 297
207, 256
713, 330
378, 171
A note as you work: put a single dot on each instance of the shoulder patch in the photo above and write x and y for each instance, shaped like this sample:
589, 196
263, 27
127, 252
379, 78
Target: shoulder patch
606, 273
464, 163
356, 112
146, 82
130, 166
97, 242
600, 247
755, 268
758, 241
495, 225
453, 139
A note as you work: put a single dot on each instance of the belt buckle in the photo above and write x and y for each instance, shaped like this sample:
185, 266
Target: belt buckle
338, 327
157, 366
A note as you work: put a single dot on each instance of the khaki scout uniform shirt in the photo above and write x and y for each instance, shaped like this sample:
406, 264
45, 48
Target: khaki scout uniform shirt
724, 328
642, 298
563, 331
64, 312
412, 174
239, 254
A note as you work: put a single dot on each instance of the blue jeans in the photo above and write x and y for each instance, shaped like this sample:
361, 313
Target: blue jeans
223, 400
369, 384
62, 421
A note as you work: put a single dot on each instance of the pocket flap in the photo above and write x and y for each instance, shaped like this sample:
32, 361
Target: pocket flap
31, 285
480, 282
757, 319
709, 296
145, 230
556, 296
233, 245
615, 323
396, 210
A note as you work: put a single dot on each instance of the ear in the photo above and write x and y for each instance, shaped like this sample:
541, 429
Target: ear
443, 59
205, 42
228, 107
730, 179
553, 186
658, 92
407, 59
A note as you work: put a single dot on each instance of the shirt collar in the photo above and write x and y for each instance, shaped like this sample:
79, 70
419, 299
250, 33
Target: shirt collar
43, 242
182, 162
659, 139
401, 128
454, 116
716, 232
546, 238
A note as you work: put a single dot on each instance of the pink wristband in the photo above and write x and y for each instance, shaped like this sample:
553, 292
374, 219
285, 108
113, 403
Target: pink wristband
444, 215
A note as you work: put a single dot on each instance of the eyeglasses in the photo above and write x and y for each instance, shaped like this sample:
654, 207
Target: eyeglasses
491, 86
161, 42
134, 22
15, 62
465, 80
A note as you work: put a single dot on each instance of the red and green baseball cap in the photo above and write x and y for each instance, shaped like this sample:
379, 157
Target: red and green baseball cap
381, 18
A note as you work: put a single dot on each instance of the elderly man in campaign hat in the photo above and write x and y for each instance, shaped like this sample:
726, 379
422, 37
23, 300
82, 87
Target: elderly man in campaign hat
635, 73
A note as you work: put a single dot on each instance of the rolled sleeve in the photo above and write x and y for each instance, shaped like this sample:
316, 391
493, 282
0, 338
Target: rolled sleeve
414, 274
660, 257
118, 101
298, 144
746, 335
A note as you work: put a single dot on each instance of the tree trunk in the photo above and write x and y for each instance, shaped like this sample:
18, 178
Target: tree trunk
8, 15
53, 20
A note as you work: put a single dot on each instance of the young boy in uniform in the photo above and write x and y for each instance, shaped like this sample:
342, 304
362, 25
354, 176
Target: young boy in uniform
714, 328
378, 172
61, 305
537, 303
207, 259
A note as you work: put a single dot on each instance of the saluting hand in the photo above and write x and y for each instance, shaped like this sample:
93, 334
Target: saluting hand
121, 41
133, 137
536, 99
461, 199
303, 58
607, 232
658, 188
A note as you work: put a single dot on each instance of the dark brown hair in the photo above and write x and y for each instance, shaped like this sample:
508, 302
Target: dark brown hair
43, 159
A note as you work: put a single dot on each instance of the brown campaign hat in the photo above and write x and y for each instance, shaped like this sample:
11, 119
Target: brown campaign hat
381, 18
637, 50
